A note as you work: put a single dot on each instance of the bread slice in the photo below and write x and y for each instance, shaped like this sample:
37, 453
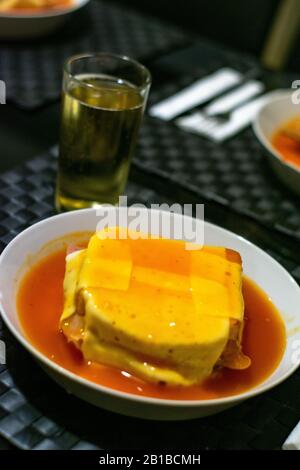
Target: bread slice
154, 309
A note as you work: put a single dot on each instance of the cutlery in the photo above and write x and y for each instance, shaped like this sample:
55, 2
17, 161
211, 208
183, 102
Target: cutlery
201, 92
210, 127
196, 94
222, 108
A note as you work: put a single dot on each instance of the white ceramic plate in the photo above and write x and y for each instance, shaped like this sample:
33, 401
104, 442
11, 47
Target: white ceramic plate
265, 271
21, 25
279, 109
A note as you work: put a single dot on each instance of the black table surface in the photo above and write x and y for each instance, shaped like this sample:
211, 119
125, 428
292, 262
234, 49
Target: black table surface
24, 134
32, 68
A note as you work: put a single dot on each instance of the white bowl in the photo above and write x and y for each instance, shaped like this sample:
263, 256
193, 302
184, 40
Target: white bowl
278, 109
265, 271
21, 25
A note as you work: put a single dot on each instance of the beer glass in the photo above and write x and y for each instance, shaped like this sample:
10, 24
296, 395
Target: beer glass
104, 96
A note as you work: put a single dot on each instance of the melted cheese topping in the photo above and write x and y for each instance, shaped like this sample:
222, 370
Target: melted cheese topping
153, 308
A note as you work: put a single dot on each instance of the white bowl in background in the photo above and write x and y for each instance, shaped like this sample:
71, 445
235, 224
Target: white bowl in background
21, 25
24, 250
271, 116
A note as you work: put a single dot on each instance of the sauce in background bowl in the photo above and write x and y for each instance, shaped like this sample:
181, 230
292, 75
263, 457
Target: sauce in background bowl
285, 144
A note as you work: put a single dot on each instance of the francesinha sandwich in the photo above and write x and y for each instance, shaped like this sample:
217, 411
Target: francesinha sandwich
154, 309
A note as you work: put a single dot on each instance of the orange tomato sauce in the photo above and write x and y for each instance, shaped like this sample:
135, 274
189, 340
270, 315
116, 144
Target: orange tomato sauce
40, 303
50, 6
288, 147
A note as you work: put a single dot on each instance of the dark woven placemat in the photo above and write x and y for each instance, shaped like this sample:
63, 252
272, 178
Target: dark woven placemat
32, 70
235, 173
35, 413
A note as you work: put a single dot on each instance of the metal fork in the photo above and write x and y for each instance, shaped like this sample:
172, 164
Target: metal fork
231, 101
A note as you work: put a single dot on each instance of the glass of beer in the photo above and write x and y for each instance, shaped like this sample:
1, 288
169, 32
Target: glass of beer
104, 97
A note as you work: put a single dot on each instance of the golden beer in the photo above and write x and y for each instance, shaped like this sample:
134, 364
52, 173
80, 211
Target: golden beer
100, 120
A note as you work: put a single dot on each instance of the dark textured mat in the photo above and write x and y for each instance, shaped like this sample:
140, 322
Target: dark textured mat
35, 413
32, 71
235, 173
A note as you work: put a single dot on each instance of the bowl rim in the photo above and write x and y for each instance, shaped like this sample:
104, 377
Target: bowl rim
283, 96
161, 402
43, 13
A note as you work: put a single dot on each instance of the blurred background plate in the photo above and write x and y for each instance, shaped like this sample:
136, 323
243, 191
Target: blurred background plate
21, 25
279, 109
